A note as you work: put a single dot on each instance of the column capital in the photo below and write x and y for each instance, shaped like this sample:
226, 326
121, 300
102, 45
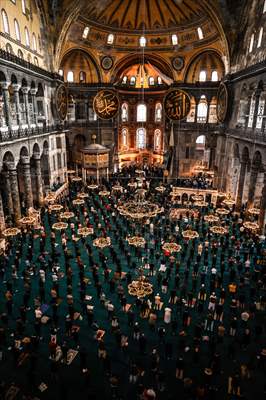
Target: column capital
33, 91
5, 85
36, 156
10, 166
16, 87
25, 159
25, 89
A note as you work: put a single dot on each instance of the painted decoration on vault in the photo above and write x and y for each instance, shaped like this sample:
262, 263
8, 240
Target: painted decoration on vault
177, 104
61, 102
222, 102
106, 104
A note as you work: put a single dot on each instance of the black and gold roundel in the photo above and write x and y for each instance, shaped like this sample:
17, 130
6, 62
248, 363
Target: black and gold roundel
176, 104
106, 104
222, 102
61, 102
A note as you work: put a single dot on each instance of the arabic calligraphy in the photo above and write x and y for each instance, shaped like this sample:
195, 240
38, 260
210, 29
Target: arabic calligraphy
177, 104
222, 102
106, 104
61, 100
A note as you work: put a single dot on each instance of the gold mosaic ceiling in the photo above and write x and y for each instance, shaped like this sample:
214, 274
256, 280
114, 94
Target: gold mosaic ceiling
139, 15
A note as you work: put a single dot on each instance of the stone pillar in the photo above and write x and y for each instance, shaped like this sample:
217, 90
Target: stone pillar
25, 161
14, 190
25, 91
38, 172
5, 86
8, 192
252, 186
2, 215
34, 104
241, 182
257, 99
262, 216
16, 88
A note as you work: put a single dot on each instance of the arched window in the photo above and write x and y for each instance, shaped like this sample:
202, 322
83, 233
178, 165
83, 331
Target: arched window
159, 80
200, 33
260, 113
20, 54
215, 76
141, 113
9, 48
70, 76
200, 142
61, 72
124, 138
124, 80
151, 81
82, 77
141, 138
27, 37
110, 38
23, 5
157, 140
202, 110
133, 80
36, 62
34, 42
202, 76
142, 41
174, 40
85, 32
5, 22
251, 111
17, 30
124, 112
260, 38
158, 112
251, 43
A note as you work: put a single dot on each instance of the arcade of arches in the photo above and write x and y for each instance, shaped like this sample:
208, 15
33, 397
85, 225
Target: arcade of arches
57, 57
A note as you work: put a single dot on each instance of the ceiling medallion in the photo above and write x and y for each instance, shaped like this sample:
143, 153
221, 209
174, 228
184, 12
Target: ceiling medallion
177, 104
107, 63
222, 102
178, 63
61, 101
106, 104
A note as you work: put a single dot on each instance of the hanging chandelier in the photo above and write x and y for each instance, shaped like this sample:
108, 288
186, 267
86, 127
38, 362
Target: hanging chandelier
141, 287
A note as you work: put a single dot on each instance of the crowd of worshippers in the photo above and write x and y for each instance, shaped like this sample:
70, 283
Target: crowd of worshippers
200, 181
212, 296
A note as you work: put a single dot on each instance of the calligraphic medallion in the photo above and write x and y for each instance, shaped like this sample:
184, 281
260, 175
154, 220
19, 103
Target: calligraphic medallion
106, 104
222, 102
177, 104
61, 101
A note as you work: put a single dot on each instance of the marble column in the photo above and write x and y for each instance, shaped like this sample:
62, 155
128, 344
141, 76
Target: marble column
7, 118
13, 177
2, 215
262, 216
257, 100
252, 186
25, 161
16, 88
38, 175
8, 192
241, 183
25, 91
34, 104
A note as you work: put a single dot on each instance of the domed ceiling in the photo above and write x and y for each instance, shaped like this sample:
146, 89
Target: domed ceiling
139, 15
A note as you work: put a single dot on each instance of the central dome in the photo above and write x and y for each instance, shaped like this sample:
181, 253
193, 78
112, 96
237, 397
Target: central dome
139, 15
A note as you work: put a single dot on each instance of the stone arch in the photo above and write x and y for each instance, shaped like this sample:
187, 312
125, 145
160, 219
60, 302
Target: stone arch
8, 157
24, 152
2, 77
13, 79
36, 149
